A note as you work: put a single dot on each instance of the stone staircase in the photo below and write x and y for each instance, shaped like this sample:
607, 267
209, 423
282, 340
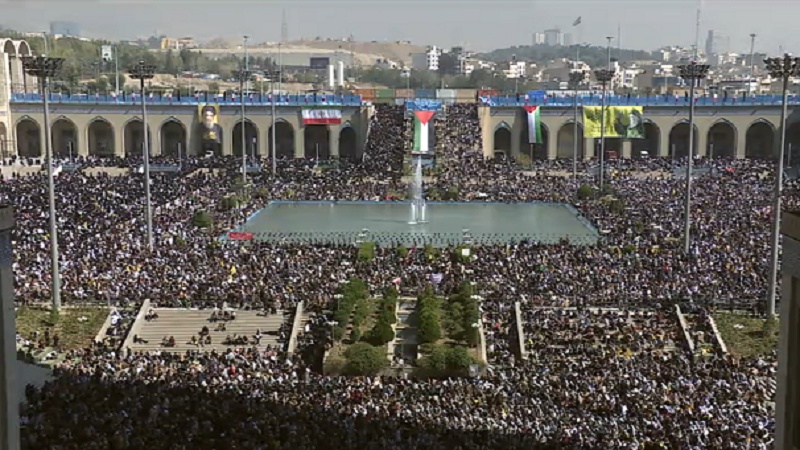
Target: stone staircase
183, 324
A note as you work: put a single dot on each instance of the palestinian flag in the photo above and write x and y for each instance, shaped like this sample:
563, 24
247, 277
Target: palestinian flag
322, 116
534, 125
421, 133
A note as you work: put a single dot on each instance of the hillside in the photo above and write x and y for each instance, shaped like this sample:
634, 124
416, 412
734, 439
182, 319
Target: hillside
594, 56
393, 50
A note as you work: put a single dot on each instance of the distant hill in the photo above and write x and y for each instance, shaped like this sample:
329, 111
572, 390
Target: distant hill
392, 50
594, 56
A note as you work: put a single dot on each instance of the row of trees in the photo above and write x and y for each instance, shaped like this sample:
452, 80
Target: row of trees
462, 315
350, 293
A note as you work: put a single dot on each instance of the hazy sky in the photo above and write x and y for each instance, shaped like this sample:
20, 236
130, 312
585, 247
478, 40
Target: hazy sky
479, 25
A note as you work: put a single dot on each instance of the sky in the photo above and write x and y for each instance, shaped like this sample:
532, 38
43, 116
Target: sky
476, 24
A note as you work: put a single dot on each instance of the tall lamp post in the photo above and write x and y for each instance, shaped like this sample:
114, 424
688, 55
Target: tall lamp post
43, 68
692, 72
784, 67
141, 72
603, 76
243, 76
274, 153
575, 79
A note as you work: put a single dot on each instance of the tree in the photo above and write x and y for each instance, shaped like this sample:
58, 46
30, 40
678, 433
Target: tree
169, 63
202, 219
448, 64
382, 333
585, 192
364, 359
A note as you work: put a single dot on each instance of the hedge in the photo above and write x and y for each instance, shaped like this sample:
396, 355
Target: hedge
428, 311
444, 361
461, 312
202, 219
364, 359
366, 251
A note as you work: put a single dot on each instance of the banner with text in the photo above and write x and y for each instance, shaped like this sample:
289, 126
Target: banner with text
625, 122
322, 117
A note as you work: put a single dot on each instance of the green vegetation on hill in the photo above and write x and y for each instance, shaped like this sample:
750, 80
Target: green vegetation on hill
83, 61
595, 56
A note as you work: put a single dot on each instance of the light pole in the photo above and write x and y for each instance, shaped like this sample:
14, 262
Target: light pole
575, 78
244, 77
784, 67
692, 72
274, 152
141, 72
752, 59
603, 76
44, 67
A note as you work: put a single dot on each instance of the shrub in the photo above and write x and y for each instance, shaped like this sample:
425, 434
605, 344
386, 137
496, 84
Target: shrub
381, 333
431, 251
364, 359
458, 254
638, 227
446, 361
228, 203
458, 359
616, 206
355, 335
387, 316
402, 251
428, 330
585, 192
202, 219
366, 251
338, 332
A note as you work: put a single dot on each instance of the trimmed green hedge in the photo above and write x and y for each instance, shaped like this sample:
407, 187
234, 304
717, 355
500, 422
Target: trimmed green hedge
364, 359
462, 311
428, 311
445, 361
366, 251
202, 219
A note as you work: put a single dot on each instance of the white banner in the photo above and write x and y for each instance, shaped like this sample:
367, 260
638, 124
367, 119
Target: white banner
106, 53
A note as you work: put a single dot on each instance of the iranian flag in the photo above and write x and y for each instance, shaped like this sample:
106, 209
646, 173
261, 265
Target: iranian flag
534, 125
421, 120
322, 117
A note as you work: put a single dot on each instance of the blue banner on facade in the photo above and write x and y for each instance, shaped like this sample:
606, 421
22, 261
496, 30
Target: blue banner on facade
423, 104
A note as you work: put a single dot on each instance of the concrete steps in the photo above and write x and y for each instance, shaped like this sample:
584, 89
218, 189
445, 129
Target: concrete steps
182, 324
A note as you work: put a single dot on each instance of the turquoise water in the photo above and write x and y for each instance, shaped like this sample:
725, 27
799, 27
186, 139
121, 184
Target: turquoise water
387, 223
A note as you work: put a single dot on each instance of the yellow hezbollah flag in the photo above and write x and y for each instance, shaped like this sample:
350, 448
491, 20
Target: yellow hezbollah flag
233, 270
620, 122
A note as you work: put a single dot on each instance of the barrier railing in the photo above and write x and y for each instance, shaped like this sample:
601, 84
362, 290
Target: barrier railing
258, 99
297, 322
320, 100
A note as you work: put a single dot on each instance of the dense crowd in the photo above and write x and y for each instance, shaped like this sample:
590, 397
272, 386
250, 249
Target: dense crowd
590, 379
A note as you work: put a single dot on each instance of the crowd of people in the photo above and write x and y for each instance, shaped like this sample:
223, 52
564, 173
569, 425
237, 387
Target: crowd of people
590, 379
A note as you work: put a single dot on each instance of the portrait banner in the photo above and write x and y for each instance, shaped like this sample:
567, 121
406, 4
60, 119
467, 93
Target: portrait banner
208, 115
620, 122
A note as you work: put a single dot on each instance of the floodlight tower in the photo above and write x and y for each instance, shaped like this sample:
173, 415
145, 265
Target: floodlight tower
693, 73
141, 72
575, 79
604, 76
783, 68
44, 68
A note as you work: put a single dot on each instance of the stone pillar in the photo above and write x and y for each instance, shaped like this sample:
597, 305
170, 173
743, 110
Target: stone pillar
552, 145
664, 150
227, 142
119, 139
741, 143
9, 403
19, 74
702, 141
516, 147
300, 142
334, 132
787, 433
589, 147
627, 147
155, 139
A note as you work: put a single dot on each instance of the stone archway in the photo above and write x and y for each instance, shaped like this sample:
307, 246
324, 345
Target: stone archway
679, 140
502, 140
65, 138
5, 147
284, 140
348, 144
534, 151
721, 140
13, 59
133, 138
759, 142
29, 141
250, 136
792, 144
317, 142
173, 139
101, 138
566, 142
649, 144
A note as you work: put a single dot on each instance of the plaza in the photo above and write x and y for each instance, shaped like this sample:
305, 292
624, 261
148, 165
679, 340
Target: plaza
386, 223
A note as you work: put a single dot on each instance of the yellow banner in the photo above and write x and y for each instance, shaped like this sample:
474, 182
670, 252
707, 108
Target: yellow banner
207, 116
620, 122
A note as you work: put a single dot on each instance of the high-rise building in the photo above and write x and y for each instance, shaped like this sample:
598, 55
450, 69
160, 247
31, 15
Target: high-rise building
538, 38
567, 39
62, 28
716, 43
552, 36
